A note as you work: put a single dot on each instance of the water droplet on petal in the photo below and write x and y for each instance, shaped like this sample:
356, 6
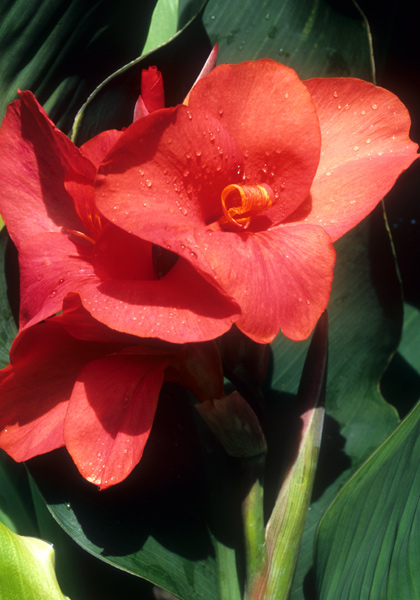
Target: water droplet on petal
335, 94
374, 106
355, 148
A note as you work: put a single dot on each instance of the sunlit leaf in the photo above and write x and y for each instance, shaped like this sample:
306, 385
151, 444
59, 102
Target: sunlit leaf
26, 568
163, 26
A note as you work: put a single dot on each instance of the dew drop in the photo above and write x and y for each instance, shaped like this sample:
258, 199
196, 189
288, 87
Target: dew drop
328, 173
286, 96
355, 148
221, 111
198, 153
148, 183
335, 94
374, 106
339, 106
267, 16
185, 173
368, 141
362, 112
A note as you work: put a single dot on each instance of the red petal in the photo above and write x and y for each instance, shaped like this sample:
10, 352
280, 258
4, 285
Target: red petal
270, 115
97, 148
34, 157
51, 266
45, 362
365, 147
281, 278
164, 177
181, 307
110, 416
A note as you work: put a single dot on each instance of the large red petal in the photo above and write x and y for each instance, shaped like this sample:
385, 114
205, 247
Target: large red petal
270, 114
365, 147
164, 177
51, 266
110, 415
45, 361
181, 307
34, 158
281, 278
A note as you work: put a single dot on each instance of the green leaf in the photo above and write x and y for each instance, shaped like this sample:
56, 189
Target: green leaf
26, 568
316, 37
368, 542
62, 50
164, 24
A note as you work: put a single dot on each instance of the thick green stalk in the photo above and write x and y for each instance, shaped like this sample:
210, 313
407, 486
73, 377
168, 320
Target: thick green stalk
253, 517
285, 526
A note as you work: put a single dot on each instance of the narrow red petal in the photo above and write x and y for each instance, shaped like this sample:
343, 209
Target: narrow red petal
365, 147
110, 416
270, 115
34, 157
281, 278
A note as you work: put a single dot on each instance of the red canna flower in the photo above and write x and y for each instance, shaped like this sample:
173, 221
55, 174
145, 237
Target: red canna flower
65, 245
253, 180
93, 390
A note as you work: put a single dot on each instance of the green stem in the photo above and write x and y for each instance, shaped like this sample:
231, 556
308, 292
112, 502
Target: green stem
253, 518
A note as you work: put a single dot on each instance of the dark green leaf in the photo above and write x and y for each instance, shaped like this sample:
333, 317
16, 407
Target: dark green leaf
62, 50
368, 542
316, 37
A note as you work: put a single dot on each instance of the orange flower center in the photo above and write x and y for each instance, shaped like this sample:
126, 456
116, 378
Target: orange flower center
242, 202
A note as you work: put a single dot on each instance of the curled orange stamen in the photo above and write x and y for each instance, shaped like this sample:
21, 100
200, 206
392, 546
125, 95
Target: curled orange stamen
242, 202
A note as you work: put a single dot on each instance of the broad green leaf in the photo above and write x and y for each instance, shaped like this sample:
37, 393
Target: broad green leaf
8, 329
316, 37
368, 542
26, 568
62, 50
163, 26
